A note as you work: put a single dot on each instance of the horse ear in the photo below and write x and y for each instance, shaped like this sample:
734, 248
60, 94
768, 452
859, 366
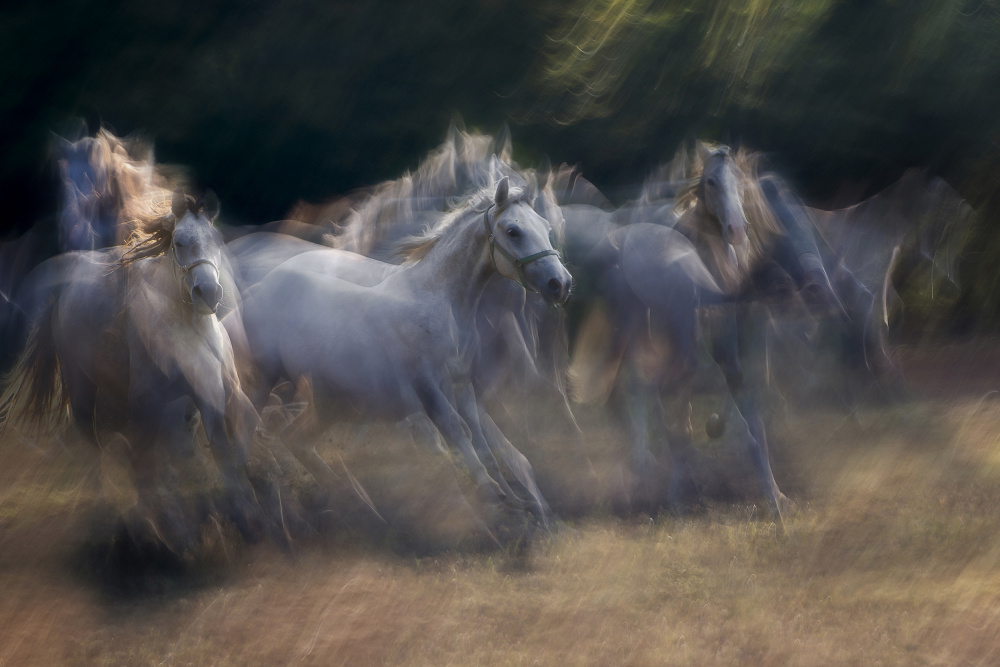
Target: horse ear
503, 191
178, 205
211, 205
504, 144
703, 151
532, 189
544, 171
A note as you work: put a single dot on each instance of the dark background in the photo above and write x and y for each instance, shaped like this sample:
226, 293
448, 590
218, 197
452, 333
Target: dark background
271, 102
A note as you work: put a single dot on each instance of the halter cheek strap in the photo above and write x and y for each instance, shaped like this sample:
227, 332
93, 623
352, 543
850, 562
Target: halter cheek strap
518, 262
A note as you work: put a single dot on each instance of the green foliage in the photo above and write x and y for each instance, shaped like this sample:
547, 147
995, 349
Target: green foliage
270, 102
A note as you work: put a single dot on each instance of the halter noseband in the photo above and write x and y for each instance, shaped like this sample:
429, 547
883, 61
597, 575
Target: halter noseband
186, 268
518, 262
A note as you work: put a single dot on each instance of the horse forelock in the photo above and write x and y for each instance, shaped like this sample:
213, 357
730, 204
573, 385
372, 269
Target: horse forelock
156, 235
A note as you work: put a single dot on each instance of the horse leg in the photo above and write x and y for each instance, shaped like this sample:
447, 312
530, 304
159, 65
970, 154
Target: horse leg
675, 420
517, 463
638, 396
445, 417
421, 431
83, 408
864, 333
230, 457
157, 507
725, 350
470, 410
554, 353
301, 434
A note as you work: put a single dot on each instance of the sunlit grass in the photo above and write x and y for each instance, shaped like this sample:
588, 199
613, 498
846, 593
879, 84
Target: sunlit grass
892, 556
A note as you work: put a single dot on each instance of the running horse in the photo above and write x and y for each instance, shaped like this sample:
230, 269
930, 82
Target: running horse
401, 344
669, 284
132, 334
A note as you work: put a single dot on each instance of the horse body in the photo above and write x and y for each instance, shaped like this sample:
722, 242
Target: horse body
136, 339
520, 335
655, 279
407, 346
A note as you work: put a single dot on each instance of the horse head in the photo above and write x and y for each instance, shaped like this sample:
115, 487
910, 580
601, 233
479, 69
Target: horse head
196, 246
520, 236
720, 193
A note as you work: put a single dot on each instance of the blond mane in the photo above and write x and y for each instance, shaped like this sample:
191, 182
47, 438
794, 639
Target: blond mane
143, 189
364, 217
414, 248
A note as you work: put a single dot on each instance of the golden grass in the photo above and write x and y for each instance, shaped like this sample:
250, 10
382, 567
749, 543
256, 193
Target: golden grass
892, 557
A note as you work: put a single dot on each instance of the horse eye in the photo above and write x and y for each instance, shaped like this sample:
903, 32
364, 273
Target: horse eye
513, 232
711, 181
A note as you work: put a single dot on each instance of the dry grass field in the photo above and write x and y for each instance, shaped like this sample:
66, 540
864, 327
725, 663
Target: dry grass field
892, 555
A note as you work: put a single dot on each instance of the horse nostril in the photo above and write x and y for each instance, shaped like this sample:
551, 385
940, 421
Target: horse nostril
210, 295
555, 285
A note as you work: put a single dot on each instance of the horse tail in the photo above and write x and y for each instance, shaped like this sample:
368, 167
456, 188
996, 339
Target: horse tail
596, 359
33, 398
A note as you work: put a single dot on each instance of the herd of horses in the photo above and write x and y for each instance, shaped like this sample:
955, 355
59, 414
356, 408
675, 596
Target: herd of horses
423, 299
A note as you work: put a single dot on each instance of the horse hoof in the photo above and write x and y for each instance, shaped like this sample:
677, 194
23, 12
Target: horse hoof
715, 426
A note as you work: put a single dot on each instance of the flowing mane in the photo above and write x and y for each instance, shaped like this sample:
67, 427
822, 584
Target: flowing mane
157, 234
413, 248
141, 188
113, 193
458, 165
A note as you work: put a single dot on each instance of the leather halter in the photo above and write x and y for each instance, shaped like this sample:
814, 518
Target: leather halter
186, 268
518, 262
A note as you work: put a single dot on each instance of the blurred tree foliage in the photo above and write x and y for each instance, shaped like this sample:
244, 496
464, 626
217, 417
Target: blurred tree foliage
271, 101
841, 93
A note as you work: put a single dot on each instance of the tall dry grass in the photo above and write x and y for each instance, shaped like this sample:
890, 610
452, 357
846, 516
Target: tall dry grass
892, 557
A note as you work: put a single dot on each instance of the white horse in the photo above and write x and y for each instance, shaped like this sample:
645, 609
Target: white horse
129, 336
401, 345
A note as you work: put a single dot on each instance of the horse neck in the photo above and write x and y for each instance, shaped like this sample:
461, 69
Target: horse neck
458, 266
699, 227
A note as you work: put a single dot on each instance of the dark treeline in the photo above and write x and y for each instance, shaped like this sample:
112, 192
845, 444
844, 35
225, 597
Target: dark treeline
270, 102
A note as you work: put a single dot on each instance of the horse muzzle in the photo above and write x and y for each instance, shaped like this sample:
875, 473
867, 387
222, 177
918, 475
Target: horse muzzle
556, 287
206, 297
